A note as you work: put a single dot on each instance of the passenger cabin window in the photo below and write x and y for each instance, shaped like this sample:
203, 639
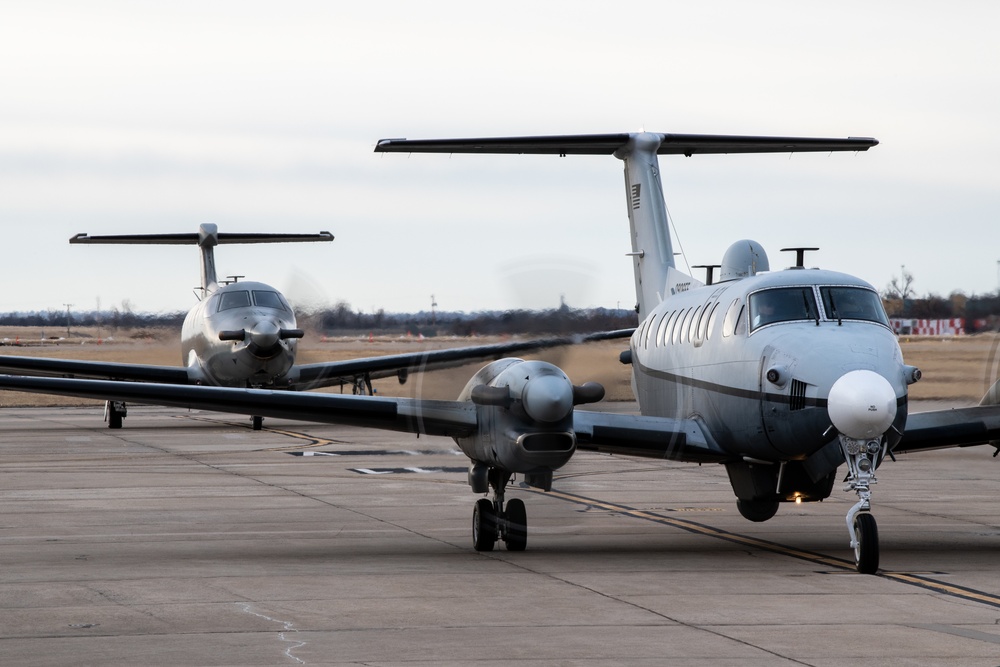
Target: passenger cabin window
708, 322
729, 324
681, 326
784, 304
695, 321
661, 332
237, 299
853, 303
266, 299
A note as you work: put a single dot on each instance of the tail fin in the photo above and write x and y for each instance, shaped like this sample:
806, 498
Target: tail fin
206, 238
652, 252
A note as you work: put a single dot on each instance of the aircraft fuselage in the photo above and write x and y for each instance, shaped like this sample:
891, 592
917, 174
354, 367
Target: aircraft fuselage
707, 354
260, 357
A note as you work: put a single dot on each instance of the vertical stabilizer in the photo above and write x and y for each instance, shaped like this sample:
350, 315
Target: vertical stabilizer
652, 252
208, 238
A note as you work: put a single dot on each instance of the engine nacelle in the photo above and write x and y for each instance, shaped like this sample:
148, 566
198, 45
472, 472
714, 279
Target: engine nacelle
525, 411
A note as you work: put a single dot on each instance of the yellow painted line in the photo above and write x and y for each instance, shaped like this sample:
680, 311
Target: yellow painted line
312, 441
920, 581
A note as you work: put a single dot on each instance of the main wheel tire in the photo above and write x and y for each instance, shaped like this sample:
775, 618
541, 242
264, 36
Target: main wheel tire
757, 510
866, 553
257, 422
484, 526
516, 538
114, 419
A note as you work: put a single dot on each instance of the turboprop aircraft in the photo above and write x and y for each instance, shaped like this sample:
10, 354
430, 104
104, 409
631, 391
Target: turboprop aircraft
780, 376
244, 334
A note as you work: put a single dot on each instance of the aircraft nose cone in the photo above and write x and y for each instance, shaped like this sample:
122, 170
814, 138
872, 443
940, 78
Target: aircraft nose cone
264, 335
547, 398
862, 404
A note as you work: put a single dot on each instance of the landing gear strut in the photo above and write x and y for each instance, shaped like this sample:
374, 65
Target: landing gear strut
114, 412
492, 522
362, 386
863, 457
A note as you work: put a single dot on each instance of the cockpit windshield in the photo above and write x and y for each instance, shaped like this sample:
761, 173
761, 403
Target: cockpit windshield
268, 300
853, 303
783, 304
242, 299
235, 299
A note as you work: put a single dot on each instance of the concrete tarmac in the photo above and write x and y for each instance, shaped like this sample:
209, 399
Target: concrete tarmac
188, 539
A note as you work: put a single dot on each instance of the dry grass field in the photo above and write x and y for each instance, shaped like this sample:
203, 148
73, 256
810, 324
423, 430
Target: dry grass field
957, 370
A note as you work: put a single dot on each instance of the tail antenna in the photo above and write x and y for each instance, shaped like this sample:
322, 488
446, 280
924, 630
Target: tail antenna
670, 219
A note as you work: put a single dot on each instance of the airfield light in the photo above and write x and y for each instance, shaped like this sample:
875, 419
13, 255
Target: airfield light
798, 500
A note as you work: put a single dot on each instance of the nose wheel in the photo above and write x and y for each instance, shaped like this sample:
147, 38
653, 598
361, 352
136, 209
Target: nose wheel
492, 521
865, 543
862, 459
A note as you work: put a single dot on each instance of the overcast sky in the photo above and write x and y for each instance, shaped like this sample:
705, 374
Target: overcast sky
128, 117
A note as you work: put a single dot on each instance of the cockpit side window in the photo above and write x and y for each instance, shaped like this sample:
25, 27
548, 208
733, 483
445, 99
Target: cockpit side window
784, 304
853, 303
237, 299
268, 300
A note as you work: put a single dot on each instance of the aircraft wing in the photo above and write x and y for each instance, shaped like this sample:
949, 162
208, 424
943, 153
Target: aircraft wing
332, 373
960, 427
447, 418
649, 437
94, 369
607, 144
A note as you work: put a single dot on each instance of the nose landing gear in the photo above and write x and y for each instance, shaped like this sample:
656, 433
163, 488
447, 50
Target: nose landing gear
491, 521
862, 458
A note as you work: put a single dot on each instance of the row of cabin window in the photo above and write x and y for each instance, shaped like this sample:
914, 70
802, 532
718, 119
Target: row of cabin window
691, 325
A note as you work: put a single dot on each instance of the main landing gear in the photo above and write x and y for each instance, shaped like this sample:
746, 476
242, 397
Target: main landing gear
491, 521
863, 457
256, 422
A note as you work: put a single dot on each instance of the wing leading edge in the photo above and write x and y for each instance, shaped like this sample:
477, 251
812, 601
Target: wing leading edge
95, 369
332, 373
961, 427
447, 418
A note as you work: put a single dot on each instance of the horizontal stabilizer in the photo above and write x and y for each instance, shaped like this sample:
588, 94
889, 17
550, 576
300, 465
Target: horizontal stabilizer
193, 238
607, 144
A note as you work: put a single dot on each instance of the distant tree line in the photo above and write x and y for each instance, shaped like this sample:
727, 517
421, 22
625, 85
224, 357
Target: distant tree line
981, 312
343, 320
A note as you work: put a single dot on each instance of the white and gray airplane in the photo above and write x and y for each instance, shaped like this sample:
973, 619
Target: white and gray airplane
244, 334
780, 376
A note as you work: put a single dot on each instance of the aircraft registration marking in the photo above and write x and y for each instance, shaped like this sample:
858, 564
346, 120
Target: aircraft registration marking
840, 564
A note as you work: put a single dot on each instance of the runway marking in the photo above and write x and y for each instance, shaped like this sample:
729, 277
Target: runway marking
379, 452
840, 564
283, 635
403, 471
